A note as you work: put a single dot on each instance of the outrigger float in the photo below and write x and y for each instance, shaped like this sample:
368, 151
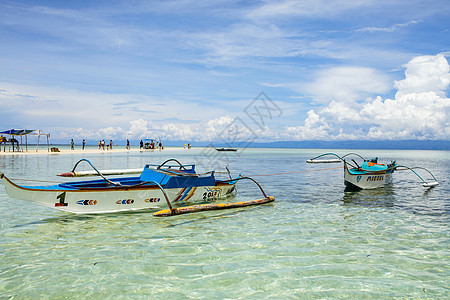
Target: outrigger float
371, 174
158, 186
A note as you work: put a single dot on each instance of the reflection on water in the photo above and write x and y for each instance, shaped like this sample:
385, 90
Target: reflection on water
384, 196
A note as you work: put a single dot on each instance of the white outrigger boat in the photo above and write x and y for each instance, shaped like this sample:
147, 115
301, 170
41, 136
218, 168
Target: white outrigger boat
157, 187
371, 174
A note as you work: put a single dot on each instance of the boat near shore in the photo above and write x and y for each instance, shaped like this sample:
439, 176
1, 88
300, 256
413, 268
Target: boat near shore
370, 174
158, 186
179, 183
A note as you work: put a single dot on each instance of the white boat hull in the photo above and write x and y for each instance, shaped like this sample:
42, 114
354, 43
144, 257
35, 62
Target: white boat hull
366, 181
115, 199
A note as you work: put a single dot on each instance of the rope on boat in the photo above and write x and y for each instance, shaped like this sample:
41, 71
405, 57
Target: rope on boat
233, 181
287, 173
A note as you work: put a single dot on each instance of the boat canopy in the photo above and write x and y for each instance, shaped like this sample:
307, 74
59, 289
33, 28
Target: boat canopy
176, 177
25, 132
17, 131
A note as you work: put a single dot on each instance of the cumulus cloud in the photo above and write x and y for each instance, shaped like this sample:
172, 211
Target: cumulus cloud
315, 128
138, 129
347, 84
420, 109
425, 74
218, 125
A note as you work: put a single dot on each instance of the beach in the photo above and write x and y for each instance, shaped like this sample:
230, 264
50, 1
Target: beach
65, 149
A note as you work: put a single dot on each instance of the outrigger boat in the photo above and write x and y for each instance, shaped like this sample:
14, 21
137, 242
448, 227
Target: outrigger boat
158, 186
226, 149
371, 174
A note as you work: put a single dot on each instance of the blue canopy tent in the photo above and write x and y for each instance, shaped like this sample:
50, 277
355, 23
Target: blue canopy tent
22, 132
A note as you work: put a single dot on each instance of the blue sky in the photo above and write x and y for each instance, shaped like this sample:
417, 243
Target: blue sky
186, 70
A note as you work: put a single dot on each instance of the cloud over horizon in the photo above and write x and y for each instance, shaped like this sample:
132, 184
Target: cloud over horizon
420, 109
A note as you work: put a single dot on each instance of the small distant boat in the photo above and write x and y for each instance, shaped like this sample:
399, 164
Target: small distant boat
180, 183
371, 174
226, 149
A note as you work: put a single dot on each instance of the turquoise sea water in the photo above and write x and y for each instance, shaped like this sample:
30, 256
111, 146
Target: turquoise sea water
314, 241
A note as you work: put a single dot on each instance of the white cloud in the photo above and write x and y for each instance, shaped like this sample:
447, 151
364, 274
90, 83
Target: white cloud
420, 109
412, 116
69, 113
347, 84
315, 128
424, 74
391, 28
216, 126
138, 129
308, 8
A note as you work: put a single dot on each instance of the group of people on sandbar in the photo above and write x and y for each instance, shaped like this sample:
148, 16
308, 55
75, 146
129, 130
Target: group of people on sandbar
151, 145
102, 145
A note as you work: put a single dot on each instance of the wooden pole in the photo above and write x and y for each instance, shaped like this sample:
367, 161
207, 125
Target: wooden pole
205, 207
39, 136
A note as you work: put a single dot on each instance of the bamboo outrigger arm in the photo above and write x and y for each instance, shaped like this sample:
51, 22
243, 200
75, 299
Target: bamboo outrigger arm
232, 181
172, 159
164, 192
338, 160
425, 183
206, 207
98, 172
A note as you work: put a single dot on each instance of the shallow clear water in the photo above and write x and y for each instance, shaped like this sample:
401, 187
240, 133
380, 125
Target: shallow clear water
314, 241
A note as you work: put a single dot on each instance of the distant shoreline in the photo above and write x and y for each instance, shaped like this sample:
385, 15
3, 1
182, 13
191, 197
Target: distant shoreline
65, 149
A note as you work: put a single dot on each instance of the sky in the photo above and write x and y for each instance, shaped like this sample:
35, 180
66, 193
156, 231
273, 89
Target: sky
204, 71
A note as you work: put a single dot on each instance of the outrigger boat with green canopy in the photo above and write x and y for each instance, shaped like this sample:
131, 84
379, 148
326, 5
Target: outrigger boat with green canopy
370, 174
158, 186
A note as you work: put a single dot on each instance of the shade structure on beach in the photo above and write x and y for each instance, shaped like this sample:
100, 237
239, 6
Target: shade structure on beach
17, 131
25, 132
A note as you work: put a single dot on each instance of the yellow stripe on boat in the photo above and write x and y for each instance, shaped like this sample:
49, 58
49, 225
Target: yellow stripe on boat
205, 207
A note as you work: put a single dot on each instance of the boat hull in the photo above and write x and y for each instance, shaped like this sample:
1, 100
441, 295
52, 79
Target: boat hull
115, 199
367, 180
